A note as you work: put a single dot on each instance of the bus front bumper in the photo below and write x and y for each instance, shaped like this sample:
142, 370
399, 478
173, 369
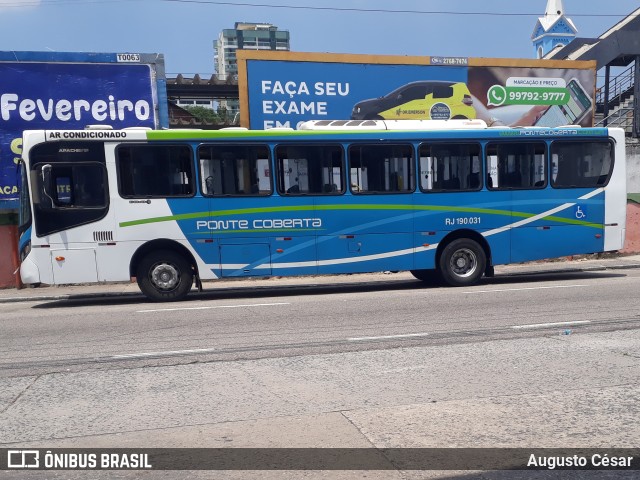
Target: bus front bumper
29, 272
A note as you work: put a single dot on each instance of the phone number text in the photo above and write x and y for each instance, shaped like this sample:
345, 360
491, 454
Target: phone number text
538, 96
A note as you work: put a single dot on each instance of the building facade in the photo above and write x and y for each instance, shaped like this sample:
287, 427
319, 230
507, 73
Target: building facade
244, 36
247, 36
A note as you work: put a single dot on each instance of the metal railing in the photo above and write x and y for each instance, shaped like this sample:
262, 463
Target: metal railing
622, 117
618, 87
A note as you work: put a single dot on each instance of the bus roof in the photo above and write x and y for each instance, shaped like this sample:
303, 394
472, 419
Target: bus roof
338, 129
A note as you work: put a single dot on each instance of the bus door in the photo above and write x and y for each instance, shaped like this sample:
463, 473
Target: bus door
367, 223
71, 208
236, 179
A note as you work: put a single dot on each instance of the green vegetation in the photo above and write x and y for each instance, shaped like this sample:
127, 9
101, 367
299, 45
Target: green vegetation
208, 115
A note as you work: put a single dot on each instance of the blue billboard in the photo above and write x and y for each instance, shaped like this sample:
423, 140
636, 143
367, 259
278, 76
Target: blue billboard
283, 89
282, 93
71, 91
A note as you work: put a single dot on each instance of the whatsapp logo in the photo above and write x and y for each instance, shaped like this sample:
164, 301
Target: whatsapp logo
496, 95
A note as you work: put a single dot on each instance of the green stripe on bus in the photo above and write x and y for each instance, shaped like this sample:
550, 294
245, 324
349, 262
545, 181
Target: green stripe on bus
243, 134
300, 208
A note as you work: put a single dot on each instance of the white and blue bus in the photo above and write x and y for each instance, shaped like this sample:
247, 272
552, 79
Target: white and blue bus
446, 200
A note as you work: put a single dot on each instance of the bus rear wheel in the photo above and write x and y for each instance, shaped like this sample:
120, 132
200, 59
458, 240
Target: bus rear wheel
164, 276
462, 262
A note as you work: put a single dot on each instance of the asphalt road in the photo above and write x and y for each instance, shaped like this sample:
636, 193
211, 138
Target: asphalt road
533, 361
305, 319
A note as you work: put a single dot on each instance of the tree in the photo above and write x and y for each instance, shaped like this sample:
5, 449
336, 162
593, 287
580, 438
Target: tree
203, 114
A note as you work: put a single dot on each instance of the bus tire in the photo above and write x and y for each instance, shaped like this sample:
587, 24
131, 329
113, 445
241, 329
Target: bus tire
462, 262
164, 276
430, 277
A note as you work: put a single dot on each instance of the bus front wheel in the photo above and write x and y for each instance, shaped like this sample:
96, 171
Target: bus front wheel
462, 262
164, 276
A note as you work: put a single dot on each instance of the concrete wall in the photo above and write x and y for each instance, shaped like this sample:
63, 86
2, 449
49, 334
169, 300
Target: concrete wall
8, 256
632, 240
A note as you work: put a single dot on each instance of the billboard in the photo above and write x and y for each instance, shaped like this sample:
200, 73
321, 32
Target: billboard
44, 90
282, 89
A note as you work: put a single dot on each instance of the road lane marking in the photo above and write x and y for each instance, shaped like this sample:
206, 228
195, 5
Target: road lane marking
524, 288
555, 324
167, 353
387, 337
178, 309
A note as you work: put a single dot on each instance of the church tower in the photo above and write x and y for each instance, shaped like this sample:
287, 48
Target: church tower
552, 30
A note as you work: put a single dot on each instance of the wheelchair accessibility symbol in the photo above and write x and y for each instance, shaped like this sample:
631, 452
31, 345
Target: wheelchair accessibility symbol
580, 212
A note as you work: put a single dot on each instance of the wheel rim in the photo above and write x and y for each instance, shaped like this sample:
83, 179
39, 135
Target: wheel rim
165, 276
464, 262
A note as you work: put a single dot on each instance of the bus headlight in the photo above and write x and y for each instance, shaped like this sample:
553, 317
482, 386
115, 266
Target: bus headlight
24, 252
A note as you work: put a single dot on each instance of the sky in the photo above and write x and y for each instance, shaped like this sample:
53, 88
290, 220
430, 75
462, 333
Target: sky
185, 30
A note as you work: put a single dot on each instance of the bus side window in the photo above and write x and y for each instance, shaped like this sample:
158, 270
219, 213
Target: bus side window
155, 171
581, 164
310, 169
516, 165
382, 168
234, 170
450, 167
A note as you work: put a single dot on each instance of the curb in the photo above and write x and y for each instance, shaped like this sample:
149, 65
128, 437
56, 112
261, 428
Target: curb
592, 268
87, 296
78, 296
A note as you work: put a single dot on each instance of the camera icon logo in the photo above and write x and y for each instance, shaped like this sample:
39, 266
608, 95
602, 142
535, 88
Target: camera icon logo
23, 459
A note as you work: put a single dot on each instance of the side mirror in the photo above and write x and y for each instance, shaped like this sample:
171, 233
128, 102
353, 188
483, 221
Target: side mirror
47, 184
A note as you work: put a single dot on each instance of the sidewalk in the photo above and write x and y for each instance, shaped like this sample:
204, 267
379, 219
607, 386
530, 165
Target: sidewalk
80, 292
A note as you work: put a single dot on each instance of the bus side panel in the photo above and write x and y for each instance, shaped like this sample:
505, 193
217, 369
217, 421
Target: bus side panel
289, 224
113, 261
441, 214
616, 196
365, 253
576, 229
425, 252
365, 233
141, 221
192, 217
500, 247
73, 253
556, 242
39, 260
258, 236
244, 257
293, 254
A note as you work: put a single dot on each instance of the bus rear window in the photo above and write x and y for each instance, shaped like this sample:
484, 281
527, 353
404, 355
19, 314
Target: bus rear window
155, 171
586, 164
